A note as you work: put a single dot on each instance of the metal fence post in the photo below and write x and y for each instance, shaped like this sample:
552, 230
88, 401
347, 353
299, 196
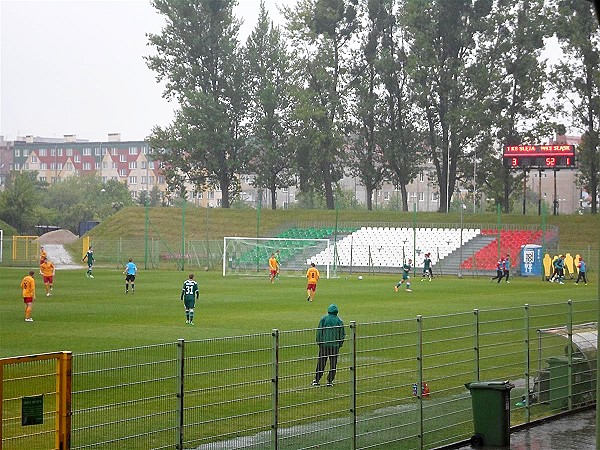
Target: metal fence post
476, 343
420, 378
275, 389
527, 365
180, 391
353, 382
570, 353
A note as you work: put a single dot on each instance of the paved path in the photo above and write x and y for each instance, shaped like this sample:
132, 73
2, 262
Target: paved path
60, 257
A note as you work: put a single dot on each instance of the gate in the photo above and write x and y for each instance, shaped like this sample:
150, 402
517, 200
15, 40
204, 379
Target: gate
35, 401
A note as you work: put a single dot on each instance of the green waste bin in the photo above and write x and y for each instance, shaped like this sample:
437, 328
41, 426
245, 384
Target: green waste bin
491, 412
581, 382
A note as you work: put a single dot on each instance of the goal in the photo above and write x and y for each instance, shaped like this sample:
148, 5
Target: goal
250, 256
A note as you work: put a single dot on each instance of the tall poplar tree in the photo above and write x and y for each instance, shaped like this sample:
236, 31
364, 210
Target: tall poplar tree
199, 59
443, 36
579, 35
320, 32
510, 79
268, 77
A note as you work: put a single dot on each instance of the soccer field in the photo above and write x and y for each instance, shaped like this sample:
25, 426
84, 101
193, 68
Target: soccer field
85, 314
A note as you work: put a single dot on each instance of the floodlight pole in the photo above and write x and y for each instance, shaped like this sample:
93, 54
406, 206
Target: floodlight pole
146, 236
462, 208
183, 232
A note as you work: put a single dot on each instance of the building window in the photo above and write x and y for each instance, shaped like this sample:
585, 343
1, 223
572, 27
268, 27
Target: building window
87, 151
421, 177
34, 159
122, 172
143, 164
133, 150
218, 203
151, 180
122, 158
132, 180
69, 166
97, 151
25, 152
69, 151
87, 166
144, 179
97, 165
211, 195
52, 152
114, 165
52, 166
60, 152
104, 165
17, 152
200, 195
386, 195
145, 150
42, 178
421, 196
77, 158
133, 165
113, 151
150, 164
161, 179
59, 166
104, 151
43, 166
43, 152
435, 196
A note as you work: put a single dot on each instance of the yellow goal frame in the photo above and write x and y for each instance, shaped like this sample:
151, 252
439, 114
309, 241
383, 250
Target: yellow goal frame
31, 250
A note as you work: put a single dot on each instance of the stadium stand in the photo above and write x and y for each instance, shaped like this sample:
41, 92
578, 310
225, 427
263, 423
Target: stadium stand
390, 247
511, 242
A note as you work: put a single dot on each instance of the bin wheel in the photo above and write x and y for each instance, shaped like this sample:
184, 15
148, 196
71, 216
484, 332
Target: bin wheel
477, 440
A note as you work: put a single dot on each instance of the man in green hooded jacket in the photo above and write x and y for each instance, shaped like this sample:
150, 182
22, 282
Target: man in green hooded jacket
330, 337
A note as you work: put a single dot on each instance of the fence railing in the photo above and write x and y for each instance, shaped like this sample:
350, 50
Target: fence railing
399, 384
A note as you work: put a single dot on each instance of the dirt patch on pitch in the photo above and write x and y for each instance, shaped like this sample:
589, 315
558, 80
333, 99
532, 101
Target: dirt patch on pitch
57, 237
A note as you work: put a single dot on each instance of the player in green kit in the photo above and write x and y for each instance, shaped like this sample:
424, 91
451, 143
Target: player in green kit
189, 295
427, 272
89, 257
406, 268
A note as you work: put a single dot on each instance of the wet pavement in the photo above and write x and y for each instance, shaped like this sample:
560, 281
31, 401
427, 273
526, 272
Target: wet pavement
572, 432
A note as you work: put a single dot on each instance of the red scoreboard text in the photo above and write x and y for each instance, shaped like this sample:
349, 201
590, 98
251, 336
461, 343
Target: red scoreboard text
539, 156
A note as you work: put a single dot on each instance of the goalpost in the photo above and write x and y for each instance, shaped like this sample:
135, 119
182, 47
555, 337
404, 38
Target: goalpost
250, 256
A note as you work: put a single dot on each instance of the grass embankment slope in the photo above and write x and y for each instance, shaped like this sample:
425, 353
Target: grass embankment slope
575, 231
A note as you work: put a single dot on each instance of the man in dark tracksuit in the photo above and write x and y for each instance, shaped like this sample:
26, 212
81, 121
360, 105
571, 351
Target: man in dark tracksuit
330, 337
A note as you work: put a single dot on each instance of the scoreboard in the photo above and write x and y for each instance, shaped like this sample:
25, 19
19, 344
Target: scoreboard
539, 156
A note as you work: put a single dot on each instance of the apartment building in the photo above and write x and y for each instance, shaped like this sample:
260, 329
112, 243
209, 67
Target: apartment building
56, 159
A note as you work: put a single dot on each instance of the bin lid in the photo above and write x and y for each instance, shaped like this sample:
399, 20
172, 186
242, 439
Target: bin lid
584, 337
494, 385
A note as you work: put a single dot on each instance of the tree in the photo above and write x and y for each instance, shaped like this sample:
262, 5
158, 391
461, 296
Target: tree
366, 159
20, 200
443, 54
577, 32
269, 107
510, 77
198, 57
320, 33
77, 199
401, 140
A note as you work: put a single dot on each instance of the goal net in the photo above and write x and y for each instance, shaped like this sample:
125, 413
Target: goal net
250, 256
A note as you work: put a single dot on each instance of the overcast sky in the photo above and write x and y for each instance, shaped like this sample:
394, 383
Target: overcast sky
76, 67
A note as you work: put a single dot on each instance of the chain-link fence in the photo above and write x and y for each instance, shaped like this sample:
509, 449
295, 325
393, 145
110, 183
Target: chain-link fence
399, 384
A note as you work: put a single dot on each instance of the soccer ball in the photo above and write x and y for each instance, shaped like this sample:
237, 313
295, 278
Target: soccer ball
360, 277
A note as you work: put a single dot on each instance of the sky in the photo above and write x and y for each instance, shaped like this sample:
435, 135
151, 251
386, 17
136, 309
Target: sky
77, 67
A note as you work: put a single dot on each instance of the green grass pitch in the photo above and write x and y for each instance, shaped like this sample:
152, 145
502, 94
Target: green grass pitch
85, 314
